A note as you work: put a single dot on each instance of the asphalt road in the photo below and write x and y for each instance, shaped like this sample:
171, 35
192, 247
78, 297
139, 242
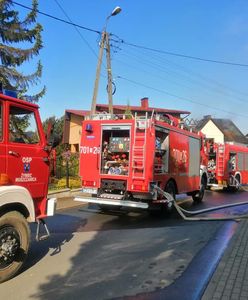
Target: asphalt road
92, 255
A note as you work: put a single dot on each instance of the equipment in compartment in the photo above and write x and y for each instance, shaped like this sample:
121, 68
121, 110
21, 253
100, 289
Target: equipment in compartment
119, 144
115, 156
161, 152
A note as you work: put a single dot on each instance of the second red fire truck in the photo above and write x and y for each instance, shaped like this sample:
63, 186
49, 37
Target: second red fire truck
227, 165
128, 162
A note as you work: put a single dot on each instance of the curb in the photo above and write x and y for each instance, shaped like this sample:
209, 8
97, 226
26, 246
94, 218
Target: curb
64, 193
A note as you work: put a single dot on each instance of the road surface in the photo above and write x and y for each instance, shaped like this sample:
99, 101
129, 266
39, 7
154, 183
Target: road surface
92, 255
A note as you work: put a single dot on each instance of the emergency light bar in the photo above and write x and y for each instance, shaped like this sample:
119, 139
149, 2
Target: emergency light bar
9, 93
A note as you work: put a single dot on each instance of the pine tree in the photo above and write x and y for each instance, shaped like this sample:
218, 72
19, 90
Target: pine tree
13, 32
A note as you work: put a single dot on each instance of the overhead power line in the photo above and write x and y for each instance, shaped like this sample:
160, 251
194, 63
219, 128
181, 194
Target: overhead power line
184, 55
180, 97
209, 85
75, 27
136, 45
58, 19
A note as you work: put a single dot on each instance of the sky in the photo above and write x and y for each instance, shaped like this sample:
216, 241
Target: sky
213, 30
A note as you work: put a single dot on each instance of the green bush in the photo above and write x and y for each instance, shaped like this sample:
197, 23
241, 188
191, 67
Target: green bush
61, 184
73, 183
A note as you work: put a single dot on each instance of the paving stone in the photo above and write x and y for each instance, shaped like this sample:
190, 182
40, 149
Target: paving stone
230, 280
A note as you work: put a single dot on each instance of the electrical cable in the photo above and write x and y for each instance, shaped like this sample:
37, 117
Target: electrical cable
207, 86
135, 45
185, 56
179, 97
146, 48
56, 18
76, 28
202, 79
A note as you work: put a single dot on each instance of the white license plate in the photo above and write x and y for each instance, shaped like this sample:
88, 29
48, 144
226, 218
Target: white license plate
89, 190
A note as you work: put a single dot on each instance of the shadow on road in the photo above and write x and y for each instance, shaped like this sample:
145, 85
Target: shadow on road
130, 254
60, 235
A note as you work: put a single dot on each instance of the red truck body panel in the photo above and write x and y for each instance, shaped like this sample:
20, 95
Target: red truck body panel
25, 163
139, 152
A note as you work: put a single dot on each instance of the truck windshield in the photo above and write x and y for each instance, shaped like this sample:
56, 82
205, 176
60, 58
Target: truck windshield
22, 126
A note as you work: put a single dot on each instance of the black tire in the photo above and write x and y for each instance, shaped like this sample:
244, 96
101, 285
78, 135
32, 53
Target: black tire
198, 196
234, 189
171, 189
14, 229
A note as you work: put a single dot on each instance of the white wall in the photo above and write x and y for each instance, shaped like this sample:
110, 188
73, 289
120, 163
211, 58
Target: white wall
212, 131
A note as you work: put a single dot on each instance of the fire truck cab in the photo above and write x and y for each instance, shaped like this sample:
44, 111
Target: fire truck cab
122, 161
24, 172
227, 165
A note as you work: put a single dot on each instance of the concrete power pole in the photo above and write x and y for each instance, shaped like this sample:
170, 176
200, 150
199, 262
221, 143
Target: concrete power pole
104, 41
98, 70
110, 92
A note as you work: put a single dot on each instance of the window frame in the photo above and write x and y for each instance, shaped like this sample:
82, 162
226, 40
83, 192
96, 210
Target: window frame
32, 111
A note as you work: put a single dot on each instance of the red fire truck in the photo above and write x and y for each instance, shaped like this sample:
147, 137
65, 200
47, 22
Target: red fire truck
24, 170
123, 161
227, 165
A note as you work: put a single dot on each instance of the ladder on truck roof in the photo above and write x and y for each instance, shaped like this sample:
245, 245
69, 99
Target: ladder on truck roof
139, 146
221, 160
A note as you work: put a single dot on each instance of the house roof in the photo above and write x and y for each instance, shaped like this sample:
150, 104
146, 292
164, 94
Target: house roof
140, 108
84, 113
78, 112
227, 127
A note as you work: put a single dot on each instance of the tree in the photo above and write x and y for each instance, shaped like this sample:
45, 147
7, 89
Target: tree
57, 125
26, 32
128, 112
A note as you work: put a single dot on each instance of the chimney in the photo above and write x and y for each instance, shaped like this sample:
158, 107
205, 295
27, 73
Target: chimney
145, 103
207, 117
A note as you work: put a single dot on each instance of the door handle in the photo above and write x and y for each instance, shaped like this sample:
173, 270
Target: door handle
14, 153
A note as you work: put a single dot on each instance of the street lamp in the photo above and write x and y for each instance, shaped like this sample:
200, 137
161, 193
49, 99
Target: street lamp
104, 40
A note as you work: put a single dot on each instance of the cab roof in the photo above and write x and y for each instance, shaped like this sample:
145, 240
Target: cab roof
19, 101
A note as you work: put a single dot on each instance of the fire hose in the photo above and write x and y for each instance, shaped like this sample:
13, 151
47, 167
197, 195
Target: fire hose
170, 201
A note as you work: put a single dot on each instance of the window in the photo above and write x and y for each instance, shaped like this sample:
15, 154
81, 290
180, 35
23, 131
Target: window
22, 126
1, 122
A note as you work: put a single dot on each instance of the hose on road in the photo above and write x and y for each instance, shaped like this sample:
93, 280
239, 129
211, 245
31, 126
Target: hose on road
183, 212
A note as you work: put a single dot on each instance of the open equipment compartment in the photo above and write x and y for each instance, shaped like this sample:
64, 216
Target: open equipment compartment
115, 150
161, 159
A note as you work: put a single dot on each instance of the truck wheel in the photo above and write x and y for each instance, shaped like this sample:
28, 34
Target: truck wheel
234, 189
14, 244
171, 189
198, 196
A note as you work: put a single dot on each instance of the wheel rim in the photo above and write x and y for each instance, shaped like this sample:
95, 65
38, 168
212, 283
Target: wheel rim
9, 245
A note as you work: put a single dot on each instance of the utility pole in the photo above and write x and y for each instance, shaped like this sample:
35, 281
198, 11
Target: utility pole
98, 70
104, 43
110, 93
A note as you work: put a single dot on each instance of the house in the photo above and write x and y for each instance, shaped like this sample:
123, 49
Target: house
221, 130
74, 118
